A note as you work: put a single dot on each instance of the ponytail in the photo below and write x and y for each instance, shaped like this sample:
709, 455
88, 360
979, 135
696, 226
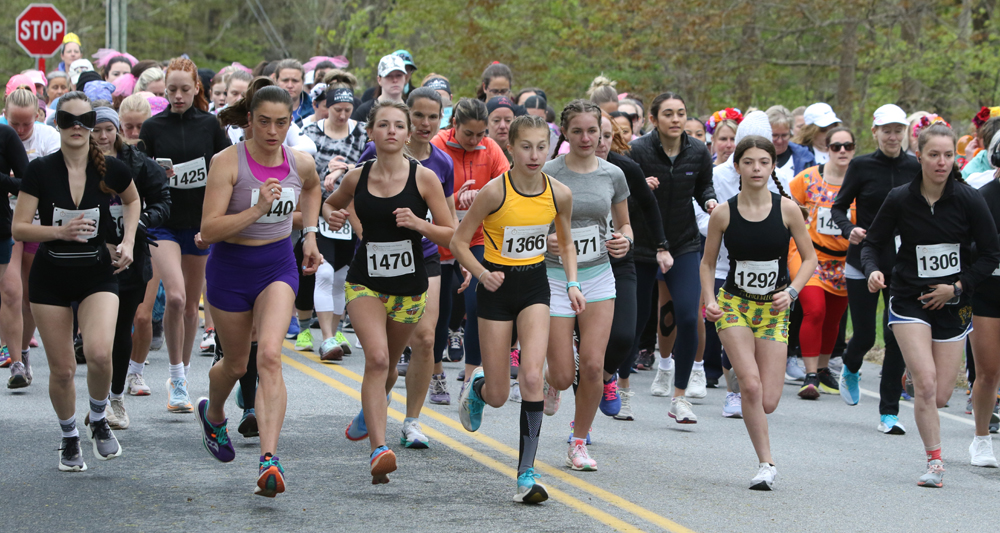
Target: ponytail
562, 139
97, 159
237, 113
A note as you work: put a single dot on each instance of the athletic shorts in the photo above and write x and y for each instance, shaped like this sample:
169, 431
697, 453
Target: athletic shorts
522, 286
985, 306
31, 248
402, 309
432, 264
951, 323
183, 237
236, 274
50, 284
597, 284
765, 323
6, 248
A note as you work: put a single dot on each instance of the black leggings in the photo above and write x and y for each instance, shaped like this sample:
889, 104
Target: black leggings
449, 273
307, 284
623, 324
645, 300
863, 306
129, 299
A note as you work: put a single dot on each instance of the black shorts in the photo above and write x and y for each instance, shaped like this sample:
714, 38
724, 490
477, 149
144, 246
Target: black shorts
522, 286
985, 305
432, 264
951, 323
50, 284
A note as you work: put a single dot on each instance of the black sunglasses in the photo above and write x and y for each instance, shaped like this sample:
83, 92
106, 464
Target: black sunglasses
66, 120
836, 147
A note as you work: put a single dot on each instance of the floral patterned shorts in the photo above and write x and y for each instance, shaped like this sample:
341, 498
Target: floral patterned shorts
402, 309
765, 323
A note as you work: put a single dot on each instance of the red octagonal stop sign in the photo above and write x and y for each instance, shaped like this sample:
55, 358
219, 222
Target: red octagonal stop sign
40, 29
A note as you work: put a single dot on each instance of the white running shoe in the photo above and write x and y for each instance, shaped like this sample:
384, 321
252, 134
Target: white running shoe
551, 399
663, 383
625, 413
515, 392
697, 385
765, 477
733, 408
578, 458
136, 385
680, 410
795, 370
207, 345
116, 414
981, 451
413, 437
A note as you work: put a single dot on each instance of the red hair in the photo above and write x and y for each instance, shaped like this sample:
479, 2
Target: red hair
186, 65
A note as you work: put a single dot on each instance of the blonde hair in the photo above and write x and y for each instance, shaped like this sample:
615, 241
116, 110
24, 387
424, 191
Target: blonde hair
148, 76
602, 90
21, 97
807, 134
339, 79
135, 104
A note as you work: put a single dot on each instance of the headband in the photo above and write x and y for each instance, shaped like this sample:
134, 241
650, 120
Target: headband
342, 95
927, 121
438, 84
107, 114
985, 114
729, 113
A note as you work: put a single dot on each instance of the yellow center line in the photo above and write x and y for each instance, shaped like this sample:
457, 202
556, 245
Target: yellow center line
557, 473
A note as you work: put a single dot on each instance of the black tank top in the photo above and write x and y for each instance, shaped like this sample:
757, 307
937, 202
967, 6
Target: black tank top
758, 253
389, 258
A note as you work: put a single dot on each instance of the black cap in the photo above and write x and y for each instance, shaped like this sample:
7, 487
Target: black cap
535, 102
86, 77
497, 102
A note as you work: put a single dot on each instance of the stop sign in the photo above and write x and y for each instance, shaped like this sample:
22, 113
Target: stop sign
40, 29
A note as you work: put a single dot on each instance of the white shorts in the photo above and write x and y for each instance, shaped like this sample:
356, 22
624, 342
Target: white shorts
596, 283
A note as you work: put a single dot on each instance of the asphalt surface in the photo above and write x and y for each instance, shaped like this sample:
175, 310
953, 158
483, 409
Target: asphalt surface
835, 471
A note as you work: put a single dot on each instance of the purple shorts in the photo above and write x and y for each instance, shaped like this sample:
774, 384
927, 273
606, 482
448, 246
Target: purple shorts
235, 274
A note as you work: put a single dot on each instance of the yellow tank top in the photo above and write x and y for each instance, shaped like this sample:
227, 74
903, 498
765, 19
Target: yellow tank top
516, 231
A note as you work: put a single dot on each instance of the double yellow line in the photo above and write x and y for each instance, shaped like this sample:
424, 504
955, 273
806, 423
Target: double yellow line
557, 473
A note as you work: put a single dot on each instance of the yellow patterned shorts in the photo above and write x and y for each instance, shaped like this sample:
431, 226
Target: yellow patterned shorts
402, 309
765, 323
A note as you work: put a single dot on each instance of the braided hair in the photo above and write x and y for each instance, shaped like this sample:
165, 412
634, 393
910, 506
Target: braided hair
570, 112
95, 154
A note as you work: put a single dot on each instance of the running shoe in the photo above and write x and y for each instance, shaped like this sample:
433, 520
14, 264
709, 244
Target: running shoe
26, 359
461, 375
810, 387
136, 385
907, 386
239, 395
795, 370
248, 424
331, 350
347, 325
439, 390
157, 341
293, 329
404, 361
456, 346
343, 342
572, 426
697, 385
625, 412
968, 403
733, 408
850, 390
836, 365
304, 341
81, 358
994, 419
4, 357
383, 463
981, 451
934, 478
271, 477
827, 382
179, 401
208, 342
214, 438
470, 405
357, 430
663, 383
889, 424
645, 360
515, 392
551, 395
70, 456
413, 437
765, 477
611, 402
106, 446
18, 376
116, 415
33, 343
529, 490
578, 459
680, 410
515, 362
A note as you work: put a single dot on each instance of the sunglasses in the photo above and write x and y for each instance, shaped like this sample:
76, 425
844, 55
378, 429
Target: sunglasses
836, 147
66, 120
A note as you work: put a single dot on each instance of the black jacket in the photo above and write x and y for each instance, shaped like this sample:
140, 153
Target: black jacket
960, 217
182, 138
690, 175
643, 213
990, 288
14, 159
151, 182
869, 179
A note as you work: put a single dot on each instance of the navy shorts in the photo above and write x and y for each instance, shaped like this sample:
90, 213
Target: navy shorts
6, 248
183, 237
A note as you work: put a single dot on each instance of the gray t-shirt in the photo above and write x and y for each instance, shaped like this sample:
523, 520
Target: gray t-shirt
593, 195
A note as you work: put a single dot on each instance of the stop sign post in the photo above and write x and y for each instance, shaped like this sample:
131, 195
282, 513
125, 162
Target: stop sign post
40, 29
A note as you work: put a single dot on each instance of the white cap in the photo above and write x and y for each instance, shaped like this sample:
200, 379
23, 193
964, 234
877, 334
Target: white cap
391, 63
310, 77
889, 114
820, 114
77, 67
755, 123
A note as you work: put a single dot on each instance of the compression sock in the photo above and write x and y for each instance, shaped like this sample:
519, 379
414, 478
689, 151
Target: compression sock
531, 426
97, 408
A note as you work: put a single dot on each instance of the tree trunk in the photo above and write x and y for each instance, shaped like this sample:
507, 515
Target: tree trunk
848, 68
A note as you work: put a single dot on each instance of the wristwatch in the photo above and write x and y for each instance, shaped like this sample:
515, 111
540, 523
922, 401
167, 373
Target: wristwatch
631, 243
958, 290
665, 246
792, 292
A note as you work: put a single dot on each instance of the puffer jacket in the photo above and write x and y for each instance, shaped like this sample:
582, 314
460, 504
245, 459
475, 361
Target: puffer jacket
151, 183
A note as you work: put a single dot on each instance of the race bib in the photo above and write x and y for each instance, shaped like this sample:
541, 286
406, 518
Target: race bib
757, 277
825, 224
190, 175
390, 259
936, 260
524, 242
281, 208
587, 243
117, 217
62, 217
343, 234
13, 203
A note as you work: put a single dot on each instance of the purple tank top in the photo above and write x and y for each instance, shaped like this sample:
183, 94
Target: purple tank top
277, 223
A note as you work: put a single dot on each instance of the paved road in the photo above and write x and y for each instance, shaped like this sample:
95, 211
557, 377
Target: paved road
836, 472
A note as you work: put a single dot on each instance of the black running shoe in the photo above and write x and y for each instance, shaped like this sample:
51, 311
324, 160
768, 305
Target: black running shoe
828, 383
810, 387
404, 361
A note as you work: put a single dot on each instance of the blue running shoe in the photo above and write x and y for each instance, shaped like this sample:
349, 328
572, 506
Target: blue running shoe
889, 424
215, 438
4, 357
611, 402
293, 329
470, 405
357, 430
849, 389
239, 396
383, 463
529, 490
271, 479
572, 426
